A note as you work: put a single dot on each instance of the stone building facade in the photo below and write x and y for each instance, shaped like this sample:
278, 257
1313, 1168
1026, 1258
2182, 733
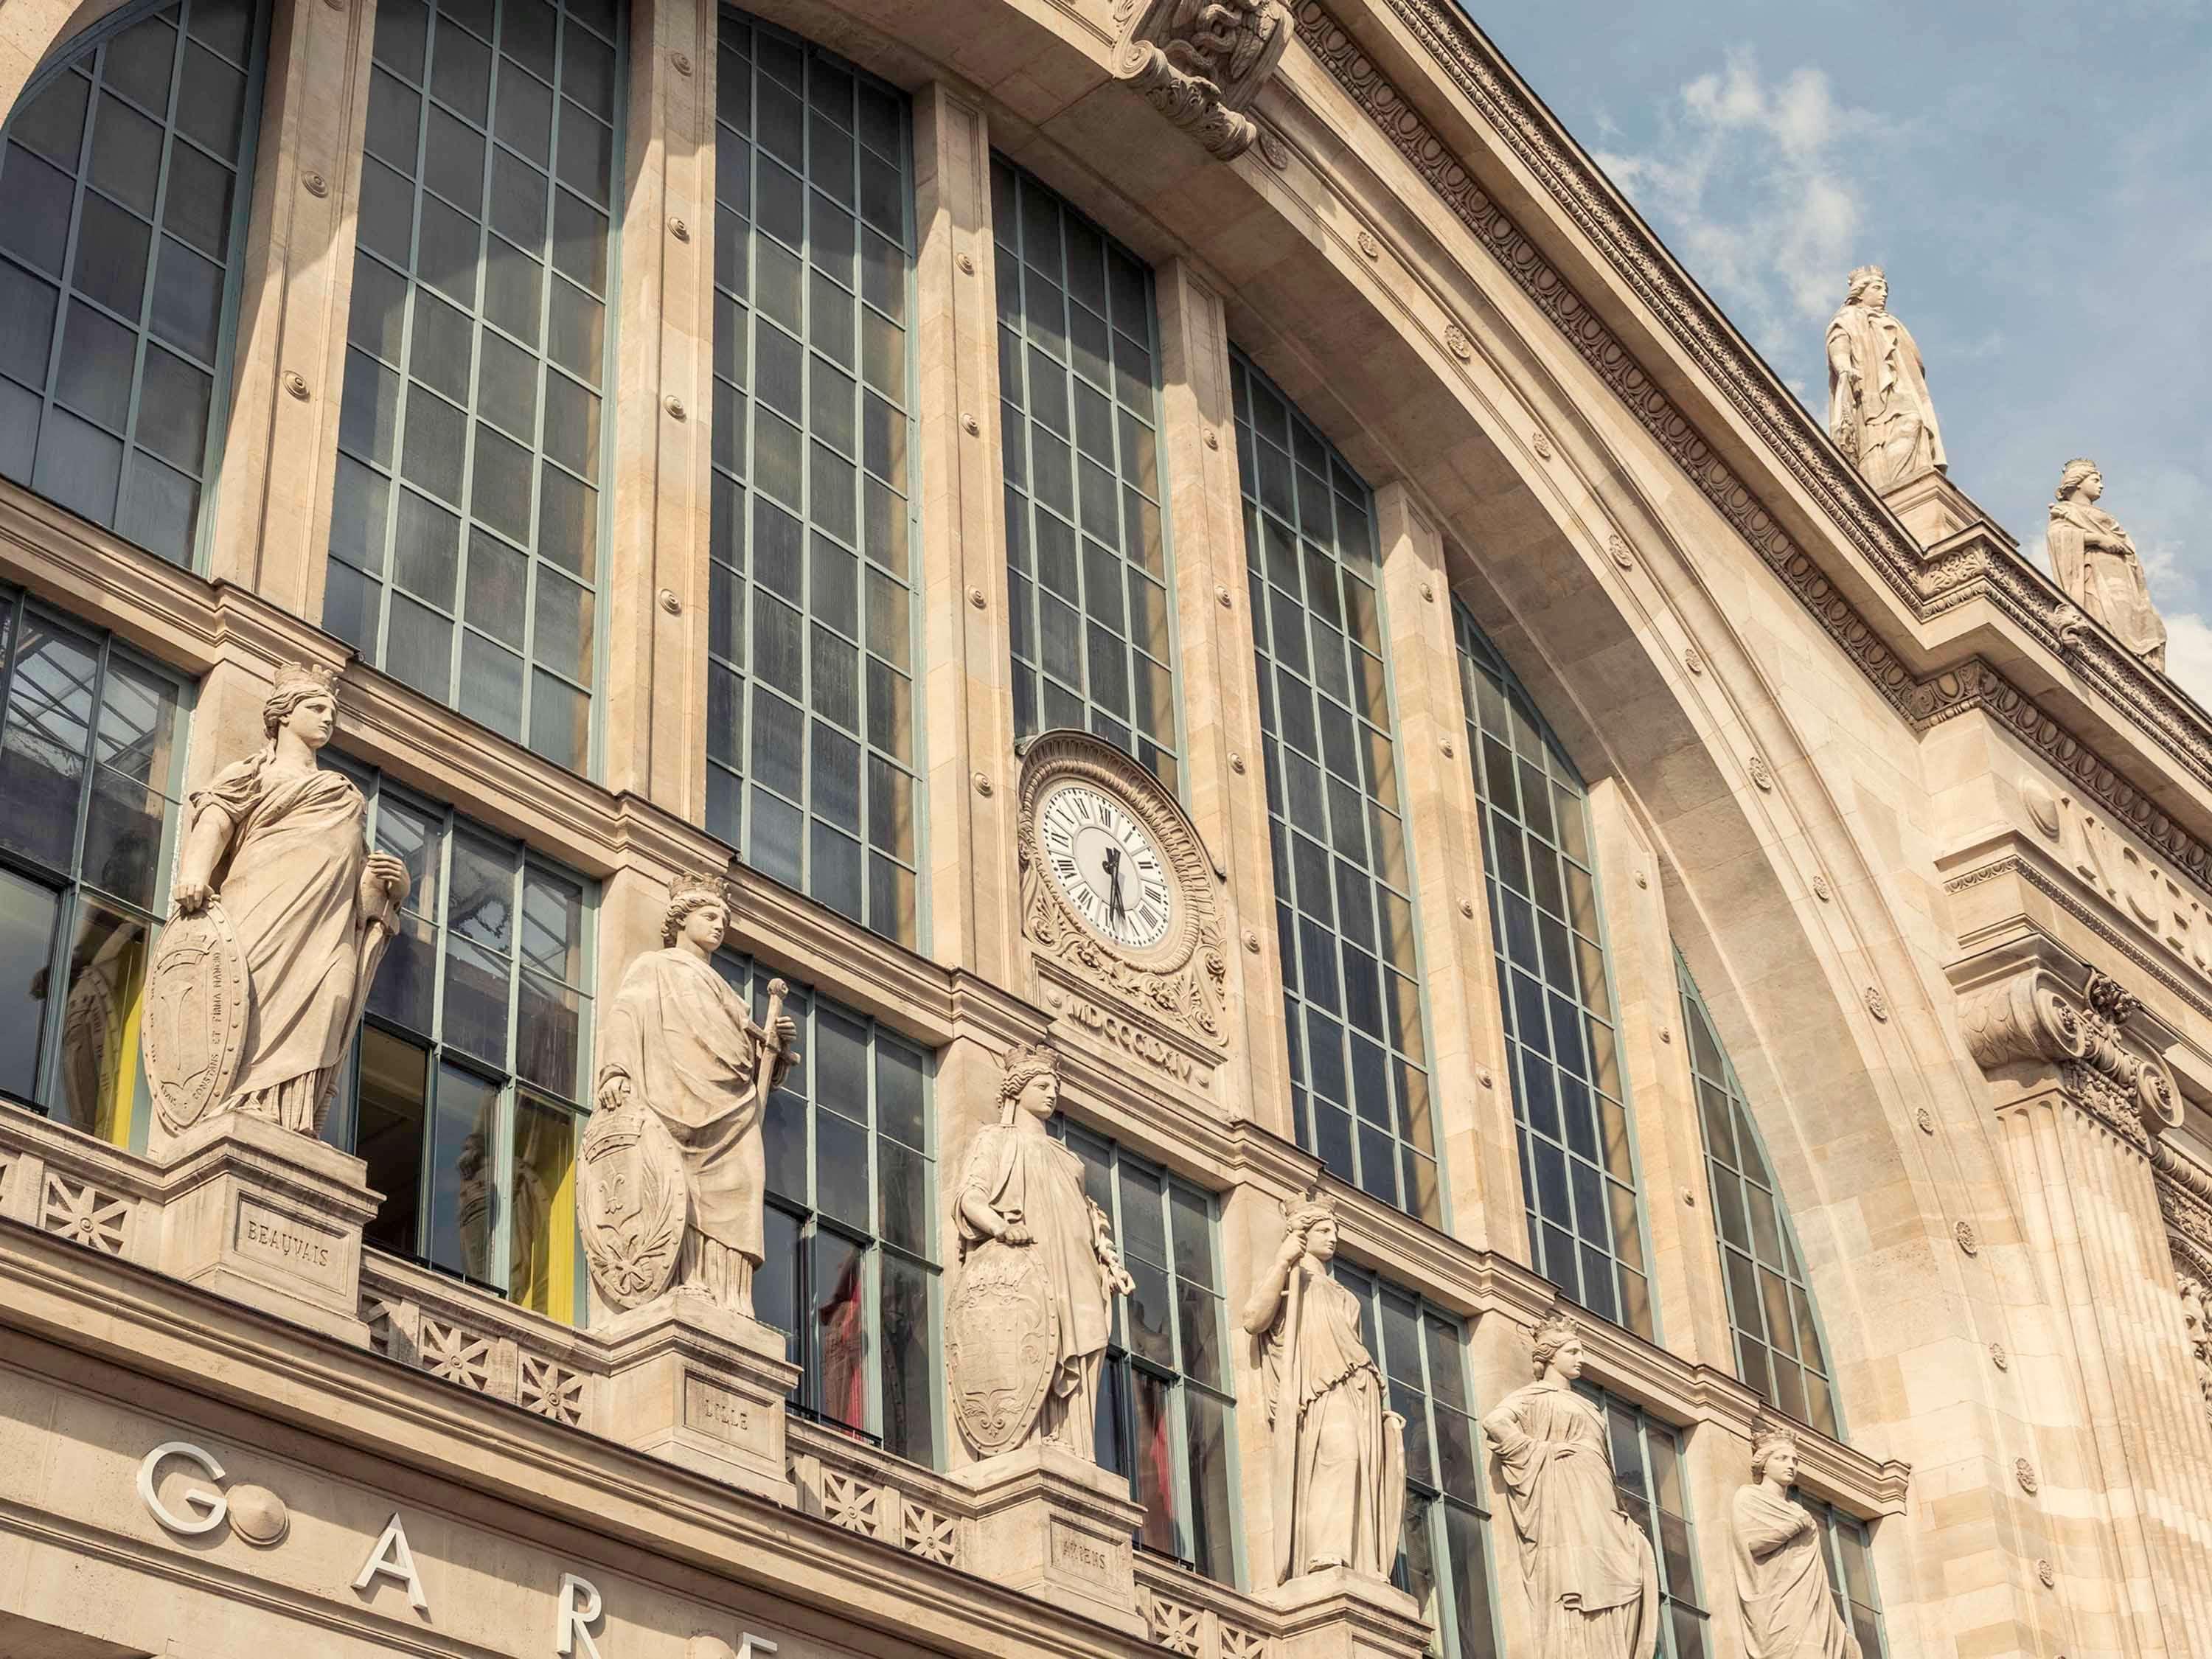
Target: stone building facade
1619, 856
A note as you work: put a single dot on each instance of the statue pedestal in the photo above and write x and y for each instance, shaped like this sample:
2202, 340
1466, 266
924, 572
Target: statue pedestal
1342, 1614
690, 1382
268, 1217
1935, 510
1057, 1527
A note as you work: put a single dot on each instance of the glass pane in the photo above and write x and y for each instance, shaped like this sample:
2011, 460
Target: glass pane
909, 1380
1213, 1542
542, 1204
463, 1165
28, 916
1153, 1473
840, 1323
392, 1127
98, 1080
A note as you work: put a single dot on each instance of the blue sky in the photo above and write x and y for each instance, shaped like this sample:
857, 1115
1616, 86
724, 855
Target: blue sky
2036, 178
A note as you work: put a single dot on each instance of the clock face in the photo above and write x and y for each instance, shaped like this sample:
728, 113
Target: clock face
1108, 864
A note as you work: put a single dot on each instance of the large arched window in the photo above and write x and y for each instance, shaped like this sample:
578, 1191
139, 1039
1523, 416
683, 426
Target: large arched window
1344, 887
1778, 1350
1555, 994
123, 186
467, 535
811, 729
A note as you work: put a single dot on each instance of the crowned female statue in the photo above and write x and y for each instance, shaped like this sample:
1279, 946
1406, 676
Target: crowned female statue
679, 1039
1337, 1458
1879, 410
1028, 1326
1591, 1574
277, 869
2098, 565
1781, 1580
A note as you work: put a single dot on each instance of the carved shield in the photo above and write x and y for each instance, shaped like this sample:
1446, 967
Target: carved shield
197, 997
1001, 1332
631, 1202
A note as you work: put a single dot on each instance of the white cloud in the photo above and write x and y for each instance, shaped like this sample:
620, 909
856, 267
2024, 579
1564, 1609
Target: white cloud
2189, 654
1751, 183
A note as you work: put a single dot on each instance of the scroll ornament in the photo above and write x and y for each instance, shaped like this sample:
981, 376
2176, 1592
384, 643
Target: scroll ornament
1201, 63
2033, 1016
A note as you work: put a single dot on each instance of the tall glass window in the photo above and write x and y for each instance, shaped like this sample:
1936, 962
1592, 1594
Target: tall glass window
811, 761
1577, 1158
1444, 1551
1086, 549
851, 1255
1778, 1350
90, 752
1647, 1468
466, 535
1165, 1405
1344, 909
1849, 1555
467, 1094
123, 189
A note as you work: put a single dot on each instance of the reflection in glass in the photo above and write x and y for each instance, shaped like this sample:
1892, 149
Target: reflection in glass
841, 1327
542, 1209
29, 914
390, 1132
100, 1021
464, 1201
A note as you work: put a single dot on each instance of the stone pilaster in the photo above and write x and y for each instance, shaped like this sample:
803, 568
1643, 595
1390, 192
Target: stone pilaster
1053, 1526
272, 524
2081, 1104
1470, 1086
1224, 776
654, 696
968, 710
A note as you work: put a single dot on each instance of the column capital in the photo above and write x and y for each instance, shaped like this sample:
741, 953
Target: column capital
2034, 1016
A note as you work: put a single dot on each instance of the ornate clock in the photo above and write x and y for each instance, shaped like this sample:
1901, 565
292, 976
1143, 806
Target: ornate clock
1116, 891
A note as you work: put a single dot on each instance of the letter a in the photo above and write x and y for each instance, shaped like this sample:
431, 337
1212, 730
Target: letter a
393, 1559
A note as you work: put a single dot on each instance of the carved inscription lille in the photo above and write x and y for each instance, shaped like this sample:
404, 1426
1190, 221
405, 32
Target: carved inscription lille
713, 1410
269, 1235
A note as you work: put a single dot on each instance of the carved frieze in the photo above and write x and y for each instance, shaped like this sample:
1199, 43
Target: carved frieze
1116, 890
1200, 62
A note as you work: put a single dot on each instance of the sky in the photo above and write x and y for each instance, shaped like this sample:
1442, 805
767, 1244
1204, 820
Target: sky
2035, 177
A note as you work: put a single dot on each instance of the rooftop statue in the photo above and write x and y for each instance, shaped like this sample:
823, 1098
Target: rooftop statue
671, 1175
281, 917
1878, 411
1337, 1460
1026, 1330
2098, 565
1781, 1578
1593, 1581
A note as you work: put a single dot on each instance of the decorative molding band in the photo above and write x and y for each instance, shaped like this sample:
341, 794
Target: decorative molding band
2020, 869
1924, 587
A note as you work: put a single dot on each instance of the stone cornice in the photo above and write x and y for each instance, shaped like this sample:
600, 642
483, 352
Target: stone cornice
1971, 568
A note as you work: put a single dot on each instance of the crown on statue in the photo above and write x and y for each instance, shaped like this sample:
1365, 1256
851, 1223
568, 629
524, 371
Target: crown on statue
1861, 279
1553, 1332
1768, 1437
1313, 1207
298, 679
693, 884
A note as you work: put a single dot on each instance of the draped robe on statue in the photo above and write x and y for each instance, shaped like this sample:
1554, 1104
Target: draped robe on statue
1589, 1570
1890, 429
691, 1049
1782, 1584
1337, 1462
290, 887
1031, 1178
2097, 564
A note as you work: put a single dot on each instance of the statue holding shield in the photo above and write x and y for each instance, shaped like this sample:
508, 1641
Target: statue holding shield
1028, 1326
671, 1176
281, 917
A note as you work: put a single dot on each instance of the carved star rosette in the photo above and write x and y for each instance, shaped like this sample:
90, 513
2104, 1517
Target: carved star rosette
1177, 986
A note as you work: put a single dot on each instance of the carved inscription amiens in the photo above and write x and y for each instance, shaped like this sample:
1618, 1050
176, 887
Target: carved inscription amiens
1082, 1555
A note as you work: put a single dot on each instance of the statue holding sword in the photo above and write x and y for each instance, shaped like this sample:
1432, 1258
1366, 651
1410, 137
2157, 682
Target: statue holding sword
670, 1174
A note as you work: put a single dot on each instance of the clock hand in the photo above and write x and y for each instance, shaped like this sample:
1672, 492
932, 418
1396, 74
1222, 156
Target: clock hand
1114, 906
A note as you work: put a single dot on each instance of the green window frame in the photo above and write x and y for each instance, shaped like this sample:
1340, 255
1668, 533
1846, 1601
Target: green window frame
1089, 589
1779, 1350
467, 1087
812, 742
1443, 1560
1166, 1409
476, 425
1344, 886
126, 181
1648, 1470
1579, 1178
92, 746
1847, 1550
850, 1272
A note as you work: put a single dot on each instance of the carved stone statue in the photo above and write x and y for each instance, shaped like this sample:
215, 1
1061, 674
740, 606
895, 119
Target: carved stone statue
1781, 1579
1337, 1459
2197, 1319
1201, 63
2098, 565
1591, 1577
1027, 1328
671, 1173
1878, 411
281, 916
